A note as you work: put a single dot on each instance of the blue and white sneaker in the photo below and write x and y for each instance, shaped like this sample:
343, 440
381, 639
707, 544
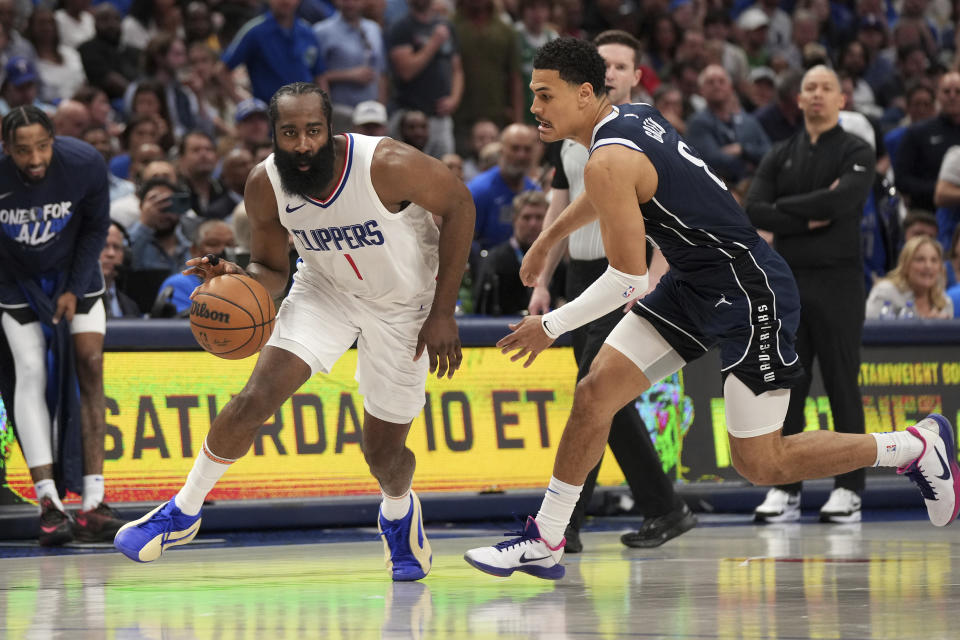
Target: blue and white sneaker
166, 526
935, 471
406, 550
529, 553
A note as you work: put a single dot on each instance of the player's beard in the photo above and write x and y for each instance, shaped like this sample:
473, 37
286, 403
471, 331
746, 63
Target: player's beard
312, 181
30, 179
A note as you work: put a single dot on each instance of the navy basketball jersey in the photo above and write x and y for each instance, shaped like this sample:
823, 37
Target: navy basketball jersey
692, 217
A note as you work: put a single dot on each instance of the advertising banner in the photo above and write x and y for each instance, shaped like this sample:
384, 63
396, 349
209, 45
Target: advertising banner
494, 426
899, 385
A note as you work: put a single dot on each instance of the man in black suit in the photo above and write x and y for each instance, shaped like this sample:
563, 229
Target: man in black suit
499, 290
116, 302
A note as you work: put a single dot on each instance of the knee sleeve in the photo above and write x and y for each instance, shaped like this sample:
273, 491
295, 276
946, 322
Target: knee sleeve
30, 413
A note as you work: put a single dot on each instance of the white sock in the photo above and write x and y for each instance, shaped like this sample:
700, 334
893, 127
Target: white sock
48, 489
897, 448
207, 469
555, 512
92, 491
395, 508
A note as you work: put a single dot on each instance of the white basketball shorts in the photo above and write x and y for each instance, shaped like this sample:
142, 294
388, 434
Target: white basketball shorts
318, 323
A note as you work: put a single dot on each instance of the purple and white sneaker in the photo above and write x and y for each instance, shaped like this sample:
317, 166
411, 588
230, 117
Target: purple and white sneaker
529, 553
935, 471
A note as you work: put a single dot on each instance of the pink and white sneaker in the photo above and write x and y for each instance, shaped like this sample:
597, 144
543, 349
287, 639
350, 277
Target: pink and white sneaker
529, 553
935, 471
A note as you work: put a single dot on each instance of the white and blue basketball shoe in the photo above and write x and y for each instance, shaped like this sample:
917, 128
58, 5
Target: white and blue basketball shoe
406, 549
935, 471
166, 526
529, 553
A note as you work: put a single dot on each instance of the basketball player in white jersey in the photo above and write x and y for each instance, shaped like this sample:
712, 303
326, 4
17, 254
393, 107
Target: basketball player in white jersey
373, 268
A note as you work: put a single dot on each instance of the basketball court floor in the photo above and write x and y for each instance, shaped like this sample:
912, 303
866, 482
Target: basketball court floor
725, 579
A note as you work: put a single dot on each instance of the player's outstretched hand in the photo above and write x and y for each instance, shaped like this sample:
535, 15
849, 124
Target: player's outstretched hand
533, 263
528, 339
441, 338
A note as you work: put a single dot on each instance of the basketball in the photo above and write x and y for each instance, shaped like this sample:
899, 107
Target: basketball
232, 316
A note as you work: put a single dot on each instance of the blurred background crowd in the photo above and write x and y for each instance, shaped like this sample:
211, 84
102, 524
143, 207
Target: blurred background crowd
174, 94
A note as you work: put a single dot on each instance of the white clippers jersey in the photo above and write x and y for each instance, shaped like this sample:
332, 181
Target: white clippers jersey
353, 242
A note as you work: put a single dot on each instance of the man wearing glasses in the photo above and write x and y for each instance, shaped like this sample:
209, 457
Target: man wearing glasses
925, 143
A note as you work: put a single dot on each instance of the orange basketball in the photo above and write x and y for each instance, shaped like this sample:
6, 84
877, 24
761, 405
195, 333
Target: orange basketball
232, 316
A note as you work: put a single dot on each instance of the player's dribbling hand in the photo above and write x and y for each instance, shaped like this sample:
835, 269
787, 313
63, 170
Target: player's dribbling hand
210, 266
441, 338
66, 307
528, 339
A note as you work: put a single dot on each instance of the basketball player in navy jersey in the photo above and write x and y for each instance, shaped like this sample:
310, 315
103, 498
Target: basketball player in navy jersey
725, 287
374, 269
665, 515
54, 216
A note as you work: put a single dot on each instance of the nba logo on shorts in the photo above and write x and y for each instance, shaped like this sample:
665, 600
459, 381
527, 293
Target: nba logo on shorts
628, 292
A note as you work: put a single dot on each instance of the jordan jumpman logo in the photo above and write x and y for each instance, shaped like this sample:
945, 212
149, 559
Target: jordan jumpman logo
723, 300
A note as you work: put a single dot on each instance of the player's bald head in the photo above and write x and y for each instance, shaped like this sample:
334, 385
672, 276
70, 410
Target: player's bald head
71, 118
822, 71
518, 133
820, 99
213, 237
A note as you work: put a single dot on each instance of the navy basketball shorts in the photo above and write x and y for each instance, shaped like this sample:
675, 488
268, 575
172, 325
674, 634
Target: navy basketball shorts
13, 301
748, 306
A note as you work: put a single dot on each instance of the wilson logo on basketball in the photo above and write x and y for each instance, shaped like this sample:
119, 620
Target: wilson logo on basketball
200, 310
231, 316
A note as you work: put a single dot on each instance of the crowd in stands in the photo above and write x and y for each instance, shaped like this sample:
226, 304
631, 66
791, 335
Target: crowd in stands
174, 94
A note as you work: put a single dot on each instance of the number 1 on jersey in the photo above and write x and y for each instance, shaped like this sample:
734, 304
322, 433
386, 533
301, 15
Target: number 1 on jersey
354, 265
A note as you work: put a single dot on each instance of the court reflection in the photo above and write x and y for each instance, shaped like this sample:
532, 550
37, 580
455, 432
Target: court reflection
803, 581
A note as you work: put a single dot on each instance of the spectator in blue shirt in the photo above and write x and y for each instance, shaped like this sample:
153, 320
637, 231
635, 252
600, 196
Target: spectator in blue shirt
20, 86
953, 270
351, 48
494, 190
921, 105
213, 237
277, 48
